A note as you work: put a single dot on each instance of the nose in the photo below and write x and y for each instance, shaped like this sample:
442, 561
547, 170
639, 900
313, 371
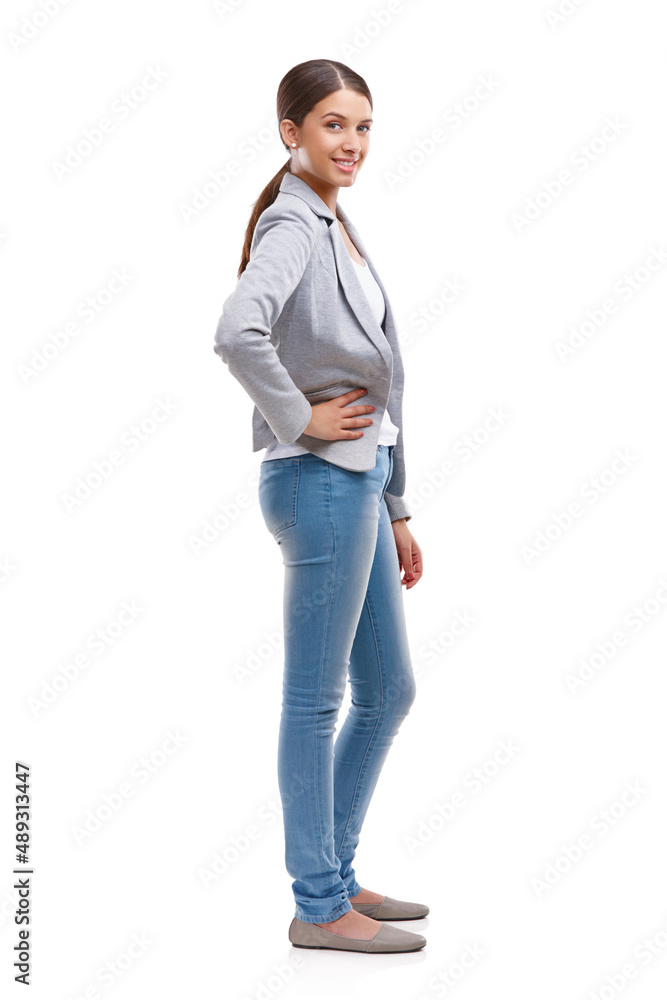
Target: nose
352, 145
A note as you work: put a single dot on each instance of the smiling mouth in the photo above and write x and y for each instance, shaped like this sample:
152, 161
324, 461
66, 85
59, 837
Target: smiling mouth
346, 164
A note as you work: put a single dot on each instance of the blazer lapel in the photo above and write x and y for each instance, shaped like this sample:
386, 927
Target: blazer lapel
354, 293
384, 337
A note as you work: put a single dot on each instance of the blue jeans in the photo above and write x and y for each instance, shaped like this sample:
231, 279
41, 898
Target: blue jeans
342, 611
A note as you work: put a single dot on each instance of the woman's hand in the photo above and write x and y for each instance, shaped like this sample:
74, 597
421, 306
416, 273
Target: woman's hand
409, 553
333, 420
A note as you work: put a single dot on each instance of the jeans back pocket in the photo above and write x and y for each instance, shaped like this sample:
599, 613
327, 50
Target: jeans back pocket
278, 493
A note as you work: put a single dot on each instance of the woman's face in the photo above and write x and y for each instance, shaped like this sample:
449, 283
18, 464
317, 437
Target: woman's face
336, 129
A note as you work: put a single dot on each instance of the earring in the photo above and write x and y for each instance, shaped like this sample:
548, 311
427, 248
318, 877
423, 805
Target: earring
294, 144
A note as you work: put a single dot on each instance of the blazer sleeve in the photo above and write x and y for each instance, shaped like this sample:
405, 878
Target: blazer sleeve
282, 246
397, 507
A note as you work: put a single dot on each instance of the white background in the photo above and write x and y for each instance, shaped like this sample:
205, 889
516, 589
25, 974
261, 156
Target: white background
175, 532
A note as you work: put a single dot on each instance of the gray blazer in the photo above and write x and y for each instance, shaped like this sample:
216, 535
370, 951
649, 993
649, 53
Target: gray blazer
298, 329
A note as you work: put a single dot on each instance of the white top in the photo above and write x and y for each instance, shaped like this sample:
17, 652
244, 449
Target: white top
388, 431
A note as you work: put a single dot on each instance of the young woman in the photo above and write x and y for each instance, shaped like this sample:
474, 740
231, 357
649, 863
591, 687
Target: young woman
309, 333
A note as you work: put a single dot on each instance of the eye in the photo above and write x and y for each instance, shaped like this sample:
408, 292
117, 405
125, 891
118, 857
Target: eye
367, 127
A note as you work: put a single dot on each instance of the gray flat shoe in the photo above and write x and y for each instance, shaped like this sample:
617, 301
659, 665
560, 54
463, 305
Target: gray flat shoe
388, 939
391, 909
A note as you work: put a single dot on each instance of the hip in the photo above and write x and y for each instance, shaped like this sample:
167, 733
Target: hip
307, 490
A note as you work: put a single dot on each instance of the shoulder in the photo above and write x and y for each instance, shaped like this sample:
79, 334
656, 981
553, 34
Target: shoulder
290, 216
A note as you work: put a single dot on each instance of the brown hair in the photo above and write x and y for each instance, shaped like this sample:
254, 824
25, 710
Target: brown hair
304, 86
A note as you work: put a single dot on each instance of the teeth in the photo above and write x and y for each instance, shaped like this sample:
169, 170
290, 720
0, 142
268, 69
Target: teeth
348, 163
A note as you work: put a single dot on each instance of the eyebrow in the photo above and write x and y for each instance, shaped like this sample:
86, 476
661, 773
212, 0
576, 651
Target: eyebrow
336, 113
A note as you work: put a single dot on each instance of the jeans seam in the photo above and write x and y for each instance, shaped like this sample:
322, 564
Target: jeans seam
324, 648
389, 475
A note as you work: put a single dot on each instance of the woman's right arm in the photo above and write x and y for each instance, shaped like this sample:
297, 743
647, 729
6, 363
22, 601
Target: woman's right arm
283, 242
